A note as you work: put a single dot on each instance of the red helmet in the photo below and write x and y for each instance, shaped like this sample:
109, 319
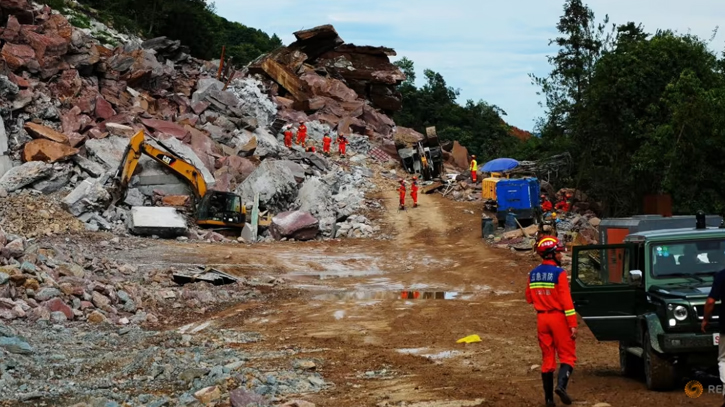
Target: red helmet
548, 247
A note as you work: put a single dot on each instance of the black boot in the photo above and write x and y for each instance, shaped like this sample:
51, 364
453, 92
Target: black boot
564, 373
548, 380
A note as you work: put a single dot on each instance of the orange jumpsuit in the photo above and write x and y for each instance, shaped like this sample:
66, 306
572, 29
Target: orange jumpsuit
414, 193
326, 141
402, 195
548, 290
563, 206
288, 138
301, 134
546, 206
342, 141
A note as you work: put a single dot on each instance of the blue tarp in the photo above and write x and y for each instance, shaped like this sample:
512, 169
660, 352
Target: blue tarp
500, 165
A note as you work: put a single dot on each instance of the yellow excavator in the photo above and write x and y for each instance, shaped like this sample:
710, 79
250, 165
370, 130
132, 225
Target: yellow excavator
213, 209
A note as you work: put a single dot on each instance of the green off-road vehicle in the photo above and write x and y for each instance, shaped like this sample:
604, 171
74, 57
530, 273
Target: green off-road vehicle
648, 293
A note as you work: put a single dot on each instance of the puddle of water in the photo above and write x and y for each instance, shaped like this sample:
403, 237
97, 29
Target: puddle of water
391, 295
326, 275
412, 351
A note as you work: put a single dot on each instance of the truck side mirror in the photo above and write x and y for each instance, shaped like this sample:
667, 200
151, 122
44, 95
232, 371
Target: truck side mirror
635, 275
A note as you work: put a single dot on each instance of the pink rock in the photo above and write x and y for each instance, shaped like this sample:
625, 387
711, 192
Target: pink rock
296, 225
104, 110
56, 304
86, 304
166, 127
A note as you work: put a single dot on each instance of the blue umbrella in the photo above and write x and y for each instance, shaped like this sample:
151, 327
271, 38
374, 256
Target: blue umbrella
500, 165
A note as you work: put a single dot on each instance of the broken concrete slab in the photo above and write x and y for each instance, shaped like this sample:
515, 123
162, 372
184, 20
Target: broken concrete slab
89, 195
296, 225
274, 182
26, 174
164, 222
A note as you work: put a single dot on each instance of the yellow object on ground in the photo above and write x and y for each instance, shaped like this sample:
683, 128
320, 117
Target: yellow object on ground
469, 339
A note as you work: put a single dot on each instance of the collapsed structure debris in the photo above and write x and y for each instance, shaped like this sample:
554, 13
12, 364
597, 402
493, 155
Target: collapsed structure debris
70, 104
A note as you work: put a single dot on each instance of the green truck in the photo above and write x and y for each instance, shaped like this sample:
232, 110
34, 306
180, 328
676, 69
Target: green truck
647, 291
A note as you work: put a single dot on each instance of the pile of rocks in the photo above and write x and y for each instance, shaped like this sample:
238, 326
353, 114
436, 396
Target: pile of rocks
109, 366
70, 105
63, 282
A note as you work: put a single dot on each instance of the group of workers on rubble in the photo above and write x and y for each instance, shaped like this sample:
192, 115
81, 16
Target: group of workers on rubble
301, 140
413, 192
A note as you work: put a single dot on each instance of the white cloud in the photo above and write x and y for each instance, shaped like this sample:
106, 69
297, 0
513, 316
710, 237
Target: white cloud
485, 48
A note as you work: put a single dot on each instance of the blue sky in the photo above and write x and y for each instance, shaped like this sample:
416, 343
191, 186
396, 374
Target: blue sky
484, 48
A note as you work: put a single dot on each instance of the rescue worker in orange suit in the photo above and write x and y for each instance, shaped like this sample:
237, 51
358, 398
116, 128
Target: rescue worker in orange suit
564, 205
474, 168
548, 291
326, 141
401, 189
342, 144
288, 136
546, 205
310, 148
301, 134
414, 192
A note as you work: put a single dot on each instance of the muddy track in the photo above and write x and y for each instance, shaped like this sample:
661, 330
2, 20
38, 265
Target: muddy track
347, 310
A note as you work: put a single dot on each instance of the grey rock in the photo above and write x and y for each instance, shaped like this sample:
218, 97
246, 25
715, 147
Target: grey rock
47, 293
24, 175
6, 164
108, 151
92, 168
254, 100
189, 375
134, 197
16, 345
57, 181
275, 184
3, 133
205, 86
87, 196
315, 197
58, 317
8, 89
3, 278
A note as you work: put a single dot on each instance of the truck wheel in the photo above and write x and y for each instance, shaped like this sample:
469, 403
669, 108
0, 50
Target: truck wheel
659, 373
629, 364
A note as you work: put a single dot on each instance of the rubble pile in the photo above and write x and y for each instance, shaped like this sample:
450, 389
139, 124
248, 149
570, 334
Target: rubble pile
350, 88
65, 282
71, 101
110, 366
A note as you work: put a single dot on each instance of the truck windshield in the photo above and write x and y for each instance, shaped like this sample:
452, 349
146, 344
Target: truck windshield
678, 259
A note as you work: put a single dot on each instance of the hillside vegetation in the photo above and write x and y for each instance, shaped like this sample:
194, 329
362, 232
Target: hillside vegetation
193, 22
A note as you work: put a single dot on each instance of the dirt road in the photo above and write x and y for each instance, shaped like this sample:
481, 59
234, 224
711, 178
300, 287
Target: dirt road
347, 312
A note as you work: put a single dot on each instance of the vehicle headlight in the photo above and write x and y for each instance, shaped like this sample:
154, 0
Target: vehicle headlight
680, 313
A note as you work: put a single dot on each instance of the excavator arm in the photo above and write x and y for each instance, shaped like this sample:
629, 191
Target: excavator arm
138, 146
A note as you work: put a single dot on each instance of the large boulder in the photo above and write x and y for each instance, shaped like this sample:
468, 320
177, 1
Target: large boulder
460, 156
47, 151
26, 174
315, 197
275, 183
296, 225
89, 195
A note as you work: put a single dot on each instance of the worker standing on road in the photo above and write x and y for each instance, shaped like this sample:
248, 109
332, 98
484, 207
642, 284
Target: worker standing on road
288, 136
401, 189
342, 144
301, 134
326, 141
548, 290
414, 191
474, 168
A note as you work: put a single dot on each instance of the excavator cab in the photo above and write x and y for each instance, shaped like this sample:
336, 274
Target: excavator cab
221, 209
